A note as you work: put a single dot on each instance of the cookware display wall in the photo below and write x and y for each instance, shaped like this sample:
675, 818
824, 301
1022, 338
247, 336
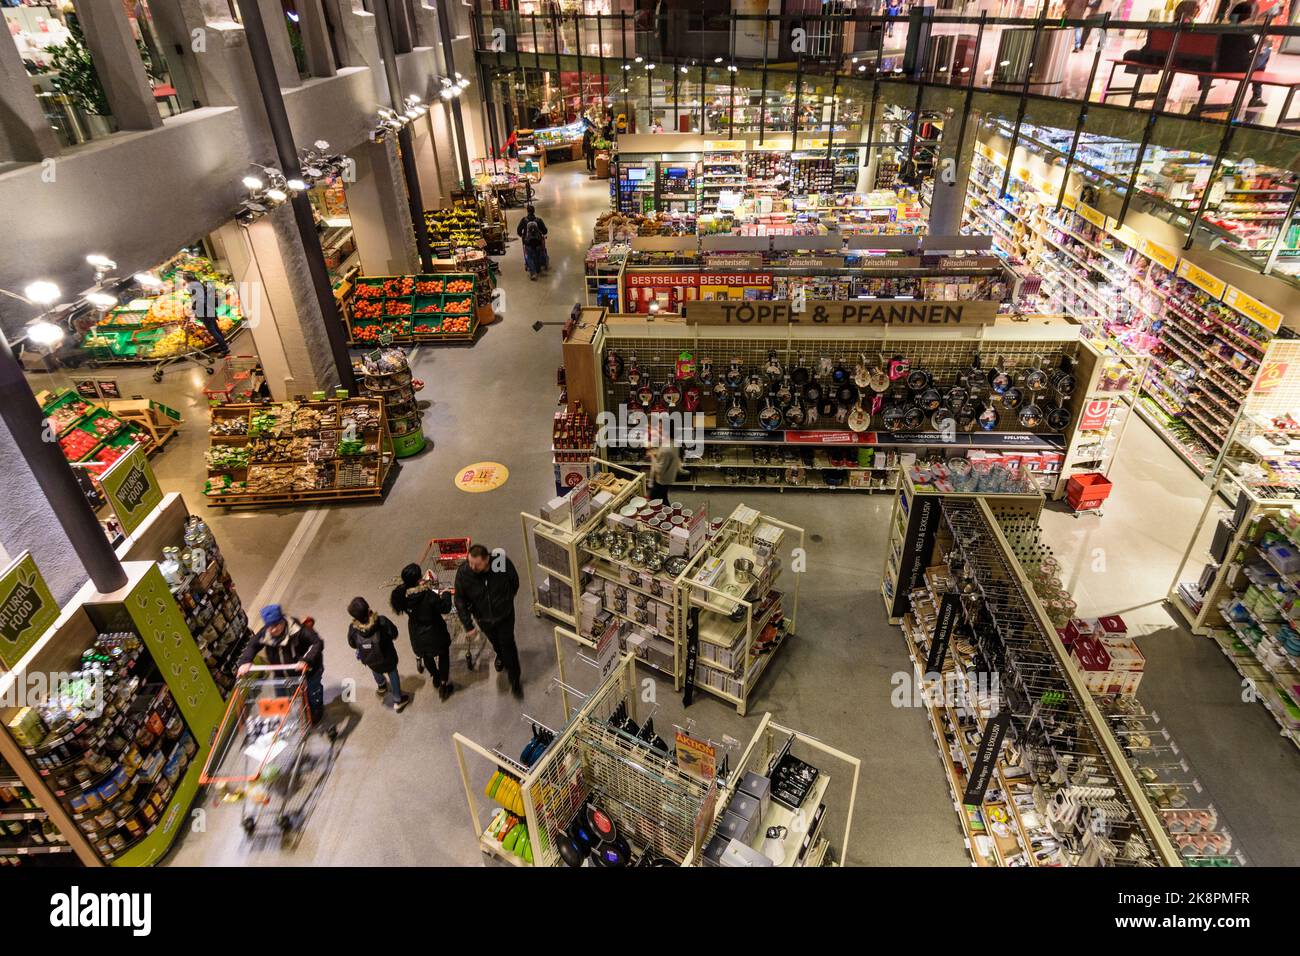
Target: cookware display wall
1018, 750
830, 454
1239, 582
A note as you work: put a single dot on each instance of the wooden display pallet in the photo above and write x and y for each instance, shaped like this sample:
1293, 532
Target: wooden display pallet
315, 495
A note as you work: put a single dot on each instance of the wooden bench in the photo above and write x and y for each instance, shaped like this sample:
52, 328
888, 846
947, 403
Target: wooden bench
1197, 55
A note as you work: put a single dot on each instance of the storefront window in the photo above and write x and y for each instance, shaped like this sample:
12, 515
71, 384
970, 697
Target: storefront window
291, 24
166, 89
54, 52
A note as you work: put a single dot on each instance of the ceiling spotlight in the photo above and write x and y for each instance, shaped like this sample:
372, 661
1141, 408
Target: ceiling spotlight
717, 59
45, 333
640, 59
965, 69
147, 280
42, 292
447, 93
627, 66
101, 300
684, 69
623, 90
733, 68
101, 261
654, 306
862, 69
1005, 63
276, 195
321, 144
297, 185
649, 66
252, 182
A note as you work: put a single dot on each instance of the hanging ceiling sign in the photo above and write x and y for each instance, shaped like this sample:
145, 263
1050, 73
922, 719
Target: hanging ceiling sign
863, 312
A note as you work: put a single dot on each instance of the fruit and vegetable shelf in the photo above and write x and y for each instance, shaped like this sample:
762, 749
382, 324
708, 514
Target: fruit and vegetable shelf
417, 308
90, 434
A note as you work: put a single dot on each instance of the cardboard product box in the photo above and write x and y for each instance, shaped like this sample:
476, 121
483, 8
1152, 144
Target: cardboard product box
557, 511
679, 543
1124, 654
742, 855
1078, 627
746, 807
589, 607
736, 827
760, 788
713, 851
27, 728
544, 593
1111, 626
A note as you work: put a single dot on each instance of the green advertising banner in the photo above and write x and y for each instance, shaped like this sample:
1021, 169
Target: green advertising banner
27, 609
132, 489
161, 624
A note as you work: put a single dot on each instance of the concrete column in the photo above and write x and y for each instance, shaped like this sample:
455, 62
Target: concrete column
277, 34
403, 32
432, 188
951, 175
28, 523
426, 24
378, 206
25, 135
118, 64
315, 38
268, 262
174, 19
357, 29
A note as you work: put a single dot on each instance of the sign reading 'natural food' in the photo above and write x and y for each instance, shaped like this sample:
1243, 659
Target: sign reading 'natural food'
882, 312
26, 609
132, 489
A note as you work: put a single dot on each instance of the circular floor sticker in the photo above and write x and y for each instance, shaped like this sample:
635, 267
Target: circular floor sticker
482, 476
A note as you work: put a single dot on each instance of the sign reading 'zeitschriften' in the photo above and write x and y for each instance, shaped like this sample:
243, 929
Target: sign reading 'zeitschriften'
882, 312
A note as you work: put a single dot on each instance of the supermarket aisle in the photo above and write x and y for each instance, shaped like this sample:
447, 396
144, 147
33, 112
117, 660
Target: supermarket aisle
1124, 563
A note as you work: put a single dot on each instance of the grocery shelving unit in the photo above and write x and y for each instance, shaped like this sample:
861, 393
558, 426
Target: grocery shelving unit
557, 554
739, 618
436, 308
385, 374
319, 451
116, 804
1055, 730
1245, 594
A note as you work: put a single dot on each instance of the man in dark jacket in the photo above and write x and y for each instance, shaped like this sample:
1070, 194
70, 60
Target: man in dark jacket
486, 585
589, 147
371, 635
286, 640
424, 605
532, 230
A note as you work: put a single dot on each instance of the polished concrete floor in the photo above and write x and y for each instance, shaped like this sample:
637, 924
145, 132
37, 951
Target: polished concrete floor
390, 792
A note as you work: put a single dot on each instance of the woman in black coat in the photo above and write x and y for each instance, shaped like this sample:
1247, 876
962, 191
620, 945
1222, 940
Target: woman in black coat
424, 607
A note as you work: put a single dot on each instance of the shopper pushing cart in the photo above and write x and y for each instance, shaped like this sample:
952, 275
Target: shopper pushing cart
286, 640
424, 604
486, 585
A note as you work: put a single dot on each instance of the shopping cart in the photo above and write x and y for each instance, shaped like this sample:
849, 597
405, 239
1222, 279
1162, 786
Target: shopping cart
441, 558
235, 380
258, 755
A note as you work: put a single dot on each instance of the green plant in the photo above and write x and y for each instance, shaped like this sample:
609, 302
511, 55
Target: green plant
76, 77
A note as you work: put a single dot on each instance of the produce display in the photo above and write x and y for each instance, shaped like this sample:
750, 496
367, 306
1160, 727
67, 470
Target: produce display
455, 226
407, 308
158, 326
90, 436
296, 451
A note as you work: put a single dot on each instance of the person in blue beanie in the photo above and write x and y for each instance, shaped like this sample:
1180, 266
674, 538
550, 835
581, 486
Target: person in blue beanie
287, 640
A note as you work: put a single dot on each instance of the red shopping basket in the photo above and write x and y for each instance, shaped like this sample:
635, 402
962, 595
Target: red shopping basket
1087, 491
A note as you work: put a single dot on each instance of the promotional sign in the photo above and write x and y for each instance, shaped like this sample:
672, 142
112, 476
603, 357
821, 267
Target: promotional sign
482, 476
969, 263
917, 549
733, 261
944, 625
1271, 375
889, 262
607, 649
696, 757
881, 312
1252, 308
638, 280
27, 609
1202, 279
1159, 254
986, 758
829, 438
815, 262
1095, 415
1098, 219
580, 504
131, 489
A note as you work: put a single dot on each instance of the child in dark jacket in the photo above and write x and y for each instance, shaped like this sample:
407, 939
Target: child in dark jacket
371, 635
424, 605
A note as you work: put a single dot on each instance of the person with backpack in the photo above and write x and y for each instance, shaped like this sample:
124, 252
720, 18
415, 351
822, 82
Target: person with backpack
532, 230
424, 605
371, 635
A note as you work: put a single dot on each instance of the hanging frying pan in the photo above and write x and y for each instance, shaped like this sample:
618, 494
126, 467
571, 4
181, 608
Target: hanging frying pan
720, 391
570, 852
812, 393
645, 393
704, 371
968, 412
827, 407
1063, 382
959, 394
1031, 416
943, 421
861, 374
613, 366
840, 375
735, 377
892, 416
799, 375
1058, 418
880, 377
918, 380
616, 853
846, 394
736, 413
988, 416
1012, 398
754, 386
691, 398
810, 415
769, 416
633, 372
859, 418
773, 368
794, 414
913, 417
1036, 379
898, 368
1000, 379
672, 395
930, 400
785, 391
658, 406
580, 831
602, 824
